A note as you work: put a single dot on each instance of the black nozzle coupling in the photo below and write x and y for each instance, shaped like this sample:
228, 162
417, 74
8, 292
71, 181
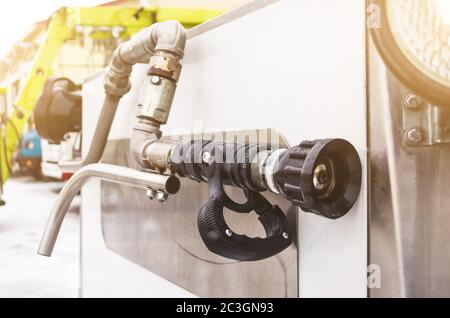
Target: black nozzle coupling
320, 176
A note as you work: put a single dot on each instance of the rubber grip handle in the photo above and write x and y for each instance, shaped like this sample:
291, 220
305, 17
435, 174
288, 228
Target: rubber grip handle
219, 239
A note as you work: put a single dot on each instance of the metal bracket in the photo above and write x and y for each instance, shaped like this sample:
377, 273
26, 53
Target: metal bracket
424, 124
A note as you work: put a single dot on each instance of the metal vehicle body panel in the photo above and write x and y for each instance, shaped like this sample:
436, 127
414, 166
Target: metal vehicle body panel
409, 201
246, 70
66, 150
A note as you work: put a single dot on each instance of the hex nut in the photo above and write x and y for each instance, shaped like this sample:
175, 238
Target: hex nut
162, 196
151, 194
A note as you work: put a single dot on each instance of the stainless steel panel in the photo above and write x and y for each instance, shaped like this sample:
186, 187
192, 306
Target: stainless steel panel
409, 199
163, 237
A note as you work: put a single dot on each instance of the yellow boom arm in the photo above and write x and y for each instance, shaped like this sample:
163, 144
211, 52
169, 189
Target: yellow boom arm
62, 27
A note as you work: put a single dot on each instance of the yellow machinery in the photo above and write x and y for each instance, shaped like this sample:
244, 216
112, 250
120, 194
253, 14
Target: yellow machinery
63, 27
3, 92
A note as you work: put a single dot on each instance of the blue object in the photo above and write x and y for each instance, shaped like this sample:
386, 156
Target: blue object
30, 147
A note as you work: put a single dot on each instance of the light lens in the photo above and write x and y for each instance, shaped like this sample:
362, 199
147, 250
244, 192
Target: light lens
421, 29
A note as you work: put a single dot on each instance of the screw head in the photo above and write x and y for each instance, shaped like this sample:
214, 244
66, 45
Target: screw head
156, 80
228, 232
206, 157
414, 135
162, 196
151, 194
285, 235
412, 102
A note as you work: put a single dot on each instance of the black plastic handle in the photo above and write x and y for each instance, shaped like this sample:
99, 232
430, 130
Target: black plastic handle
220, 239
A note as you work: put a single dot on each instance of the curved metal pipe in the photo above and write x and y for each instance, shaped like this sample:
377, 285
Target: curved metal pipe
138, 143
111, 173
162, 45
168, 36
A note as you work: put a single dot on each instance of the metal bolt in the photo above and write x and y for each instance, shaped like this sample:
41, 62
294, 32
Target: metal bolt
206, 157
156, 80
285, 235
162, 196
412, 102
228, 232
414, 135
151, 194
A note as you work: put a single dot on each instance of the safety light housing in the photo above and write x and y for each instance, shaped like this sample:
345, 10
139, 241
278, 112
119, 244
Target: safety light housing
413, 38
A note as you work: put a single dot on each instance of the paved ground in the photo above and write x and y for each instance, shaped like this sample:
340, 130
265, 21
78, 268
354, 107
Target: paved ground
23, 273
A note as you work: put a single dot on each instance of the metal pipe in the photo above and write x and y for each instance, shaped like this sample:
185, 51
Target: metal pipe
168, 37
100, 137
111, 173
102, 129
149, 151
161, 45
154, 110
